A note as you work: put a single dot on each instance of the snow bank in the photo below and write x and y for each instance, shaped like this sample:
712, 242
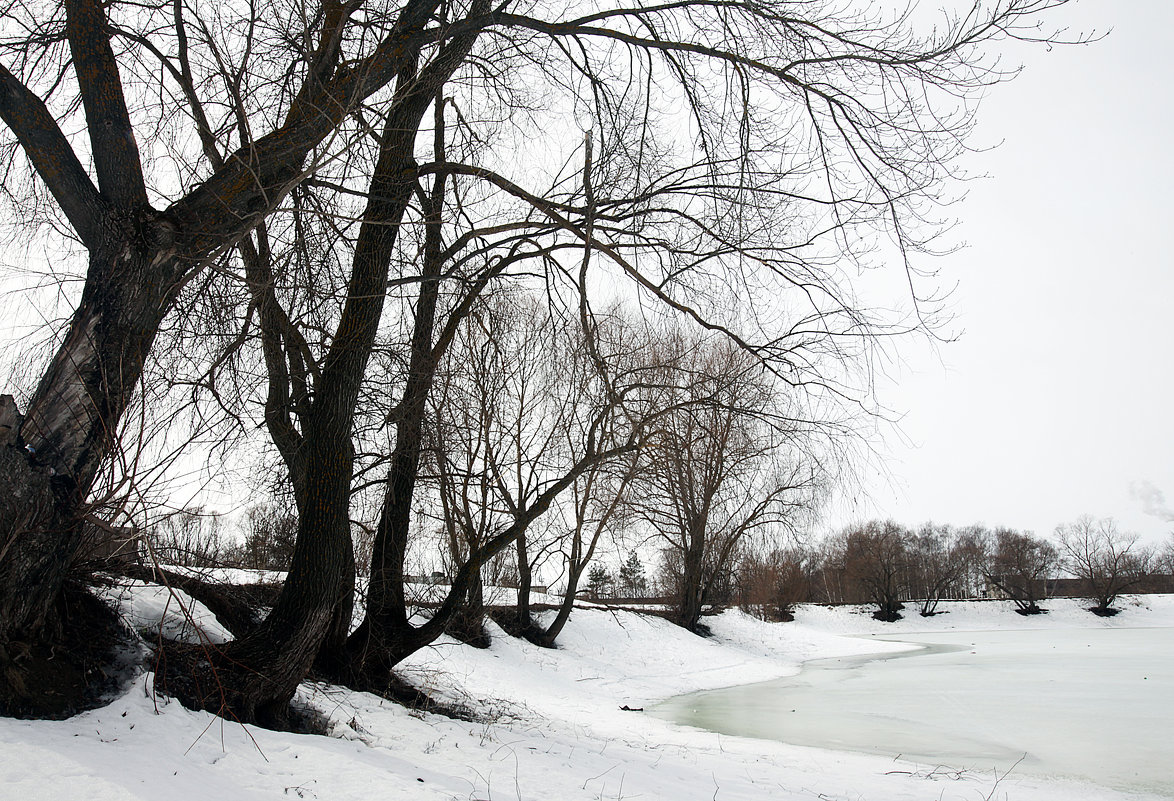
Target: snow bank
153, 609
553, 727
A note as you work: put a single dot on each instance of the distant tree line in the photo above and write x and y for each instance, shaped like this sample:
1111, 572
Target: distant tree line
881, 563
892, 567
263, 539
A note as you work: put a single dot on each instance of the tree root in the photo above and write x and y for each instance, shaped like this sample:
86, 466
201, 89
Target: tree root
79, 664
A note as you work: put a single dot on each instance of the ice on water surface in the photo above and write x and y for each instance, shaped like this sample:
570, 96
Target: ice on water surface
1091, 704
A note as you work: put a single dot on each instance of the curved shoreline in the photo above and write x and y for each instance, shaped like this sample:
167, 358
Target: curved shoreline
1052, 703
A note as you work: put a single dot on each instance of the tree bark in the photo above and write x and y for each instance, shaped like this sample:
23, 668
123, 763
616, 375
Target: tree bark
71, 425
548, 637
253, 679
692, 578
525, 582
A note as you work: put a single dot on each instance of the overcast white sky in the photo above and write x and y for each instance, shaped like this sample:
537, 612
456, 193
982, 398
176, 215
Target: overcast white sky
1057, 398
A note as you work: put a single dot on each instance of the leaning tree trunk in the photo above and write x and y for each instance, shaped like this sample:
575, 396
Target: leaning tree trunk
525, 620
578, 560
549, 636
50, 458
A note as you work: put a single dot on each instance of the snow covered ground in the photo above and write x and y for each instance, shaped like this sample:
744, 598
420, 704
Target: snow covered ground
553, 726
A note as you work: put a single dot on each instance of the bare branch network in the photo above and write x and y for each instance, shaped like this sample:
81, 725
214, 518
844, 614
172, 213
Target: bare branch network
327, 226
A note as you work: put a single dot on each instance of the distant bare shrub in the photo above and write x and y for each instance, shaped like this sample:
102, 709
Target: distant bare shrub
188, 537
770, 585
270, 531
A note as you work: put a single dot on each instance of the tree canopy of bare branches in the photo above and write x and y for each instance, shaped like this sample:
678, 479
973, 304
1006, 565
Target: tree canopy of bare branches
346, 179
1108, 560
727, 460
1018, 565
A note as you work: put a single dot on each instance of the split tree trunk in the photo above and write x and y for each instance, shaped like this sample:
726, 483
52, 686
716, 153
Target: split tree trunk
255, 678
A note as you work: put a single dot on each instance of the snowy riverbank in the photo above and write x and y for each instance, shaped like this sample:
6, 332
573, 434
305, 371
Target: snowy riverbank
553, 727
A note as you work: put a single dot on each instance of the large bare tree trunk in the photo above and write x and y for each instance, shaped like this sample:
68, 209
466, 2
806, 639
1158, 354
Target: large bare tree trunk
692, 584
525, 620
253, 679
139, 258
52, 457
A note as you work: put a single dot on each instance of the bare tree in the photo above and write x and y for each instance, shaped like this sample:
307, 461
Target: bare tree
1018, 565
1164, 559
270, 536
475, 416
725, 464
508, 449
541, 396
771, 583
188, 537
596, 509
938, 559
210, 132
1109, 560
875, 558
562, 379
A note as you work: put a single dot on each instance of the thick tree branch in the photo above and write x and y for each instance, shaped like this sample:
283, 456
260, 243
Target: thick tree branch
116, 155
54, 160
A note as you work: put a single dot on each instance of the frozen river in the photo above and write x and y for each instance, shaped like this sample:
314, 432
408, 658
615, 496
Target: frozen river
1093, 704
